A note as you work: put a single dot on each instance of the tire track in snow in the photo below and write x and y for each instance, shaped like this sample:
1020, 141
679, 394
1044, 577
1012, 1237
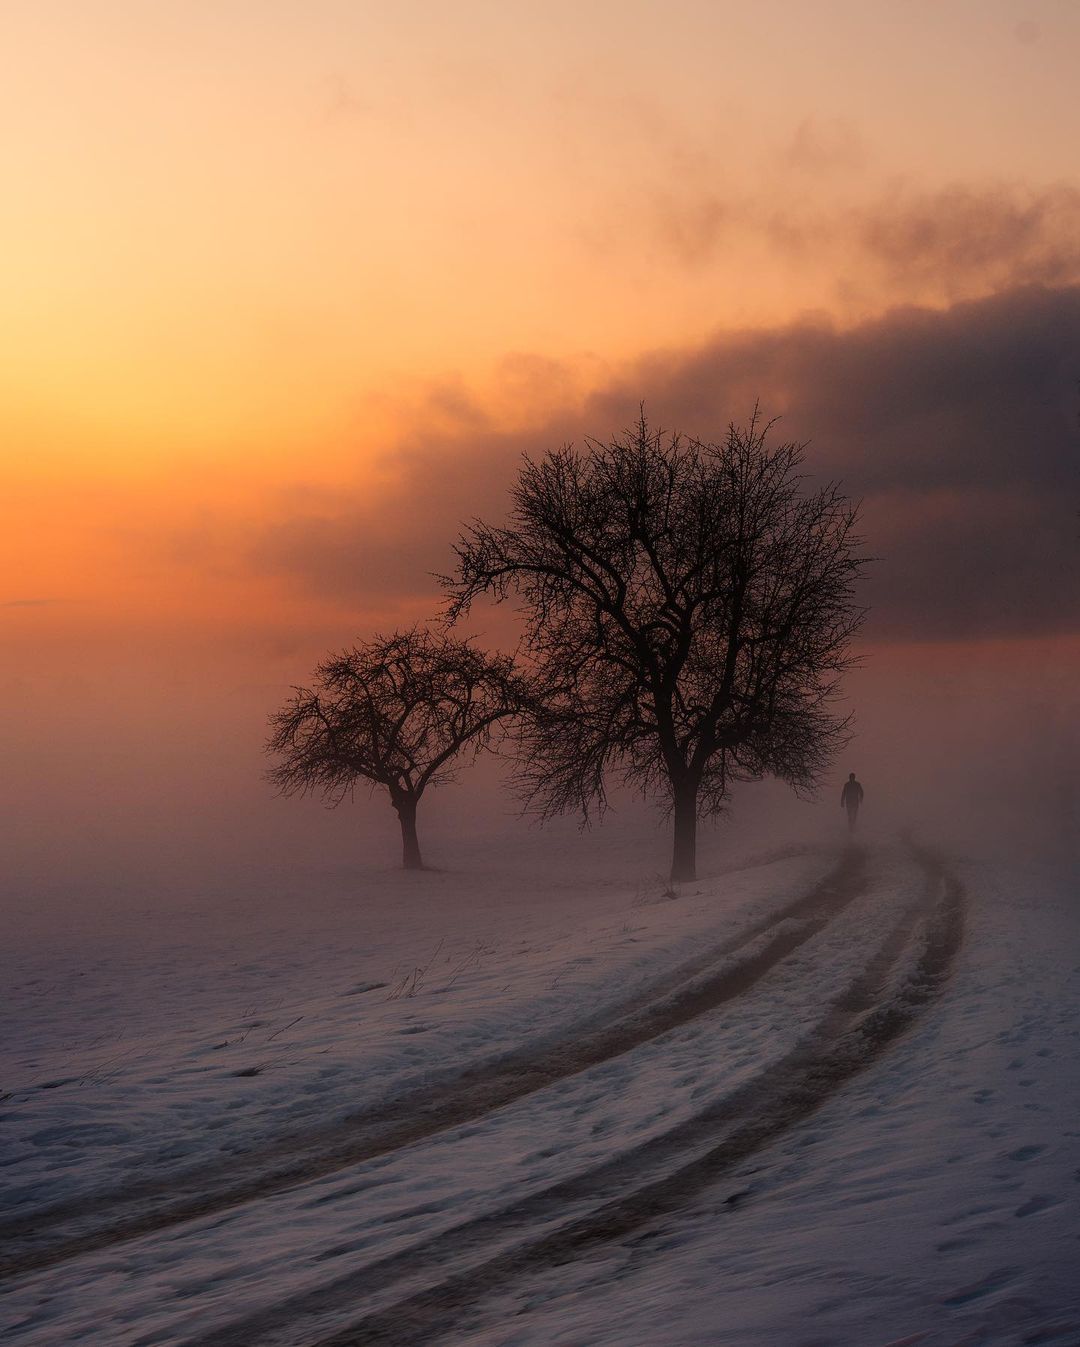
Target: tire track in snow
639, 1186
100, 1220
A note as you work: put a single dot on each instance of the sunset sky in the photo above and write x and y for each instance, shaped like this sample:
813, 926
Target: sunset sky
288, 287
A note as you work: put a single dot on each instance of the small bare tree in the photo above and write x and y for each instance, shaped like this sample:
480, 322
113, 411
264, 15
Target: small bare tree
688, 610
394, 712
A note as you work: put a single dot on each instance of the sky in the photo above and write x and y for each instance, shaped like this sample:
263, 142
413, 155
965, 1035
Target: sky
289, 287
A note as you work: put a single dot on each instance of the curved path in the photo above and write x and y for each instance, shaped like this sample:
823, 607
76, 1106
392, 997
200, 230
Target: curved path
65, 1231
440, 1281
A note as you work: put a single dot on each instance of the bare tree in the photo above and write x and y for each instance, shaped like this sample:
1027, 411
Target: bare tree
394, 712
688, 609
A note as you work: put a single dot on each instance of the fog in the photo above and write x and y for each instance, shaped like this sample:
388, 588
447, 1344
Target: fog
139, 787
133, 761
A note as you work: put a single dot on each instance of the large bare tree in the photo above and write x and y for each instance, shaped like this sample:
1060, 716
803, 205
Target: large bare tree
394, 712
688, 609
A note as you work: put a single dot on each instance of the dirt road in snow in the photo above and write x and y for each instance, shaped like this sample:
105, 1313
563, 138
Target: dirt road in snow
698, 986
420, 1294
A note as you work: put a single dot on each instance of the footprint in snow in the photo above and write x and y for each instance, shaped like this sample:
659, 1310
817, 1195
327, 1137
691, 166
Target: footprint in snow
1026, 1152
996, 1281
1040, 1202
955, 1245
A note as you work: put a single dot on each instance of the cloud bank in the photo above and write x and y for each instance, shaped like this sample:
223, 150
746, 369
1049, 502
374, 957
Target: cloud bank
961, 241
957, 428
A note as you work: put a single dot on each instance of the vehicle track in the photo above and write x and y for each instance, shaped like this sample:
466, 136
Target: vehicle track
636, 1187
99, 1220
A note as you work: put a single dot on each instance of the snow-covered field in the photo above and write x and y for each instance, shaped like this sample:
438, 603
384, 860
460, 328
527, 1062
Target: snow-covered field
511, 1106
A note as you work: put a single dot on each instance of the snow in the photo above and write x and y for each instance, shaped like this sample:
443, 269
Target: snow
936, 1200
117, 1050
933, 1196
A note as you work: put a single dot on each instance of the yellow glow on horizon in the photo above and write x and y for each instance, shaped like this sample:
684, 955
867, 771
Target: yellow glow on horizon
242, 241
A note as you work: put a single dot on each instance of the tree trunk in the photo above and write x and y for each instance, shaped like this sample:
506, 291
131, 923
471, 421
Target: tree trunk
410, 844
684, 853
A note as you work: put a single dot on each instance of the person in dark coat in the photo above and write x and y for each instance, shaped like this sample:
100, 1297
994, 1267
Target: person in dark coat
850, 799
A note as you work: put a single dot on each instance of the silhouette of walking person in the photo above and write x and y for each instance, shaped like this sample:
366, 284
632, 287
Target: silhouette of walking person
850, 799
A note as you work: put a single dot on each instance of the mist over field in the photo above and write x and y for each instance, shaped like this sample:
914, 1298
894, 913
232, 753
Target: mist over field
229, 1010
133, 735
333, 326
973, 746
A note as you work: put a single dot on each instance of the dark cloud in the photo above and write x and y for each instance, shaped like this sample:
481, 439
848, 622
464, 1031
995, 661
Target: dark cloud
981, 391
347, 557
963, 238
974, 562
958, 428
954, 243
367, 546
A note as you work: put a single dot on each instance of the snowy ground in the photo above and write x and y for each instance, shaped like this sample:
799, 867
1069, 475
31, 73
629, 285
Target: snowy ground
930, 1196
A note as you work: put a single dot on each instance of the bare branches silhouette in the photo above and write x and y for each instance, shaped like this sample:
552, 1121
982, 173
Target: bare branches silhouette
688, 612
396, 712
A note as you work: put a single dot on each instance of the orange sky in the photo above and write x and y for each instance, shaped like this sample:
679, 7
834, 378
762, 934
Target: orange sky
250, 246
288, 287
